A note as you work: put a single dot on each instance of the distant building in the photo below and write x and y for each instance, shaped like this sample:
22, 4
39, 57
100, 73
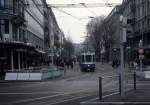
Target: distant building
56, 37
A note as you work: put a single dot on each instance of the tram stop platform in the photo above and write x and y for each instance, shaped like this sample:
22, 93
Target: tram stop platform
141, 96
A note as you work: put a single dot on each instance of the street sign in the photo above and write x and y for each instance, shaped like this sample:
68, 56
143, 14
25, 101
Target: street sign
141, 51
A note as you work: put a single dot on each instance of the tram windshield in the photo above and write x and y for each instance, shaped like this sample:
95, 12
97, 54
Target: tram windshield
88, 58
83, 60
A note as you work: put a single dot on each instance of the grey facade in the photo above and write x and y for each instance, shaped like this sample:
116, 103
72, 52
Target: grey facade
24, 33
138, 13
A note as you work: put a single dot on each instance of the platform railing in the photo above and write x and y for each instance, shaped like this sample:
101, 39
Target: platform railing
133, 75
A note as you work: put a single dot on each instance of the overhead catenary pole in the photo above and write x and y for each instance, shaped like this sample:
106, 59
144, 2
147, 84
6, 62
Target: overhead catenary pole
123, 22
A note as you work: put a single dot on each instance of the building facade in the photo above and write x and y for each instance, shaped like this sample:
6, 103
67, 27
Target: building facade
25, 35
138, 14
56, 37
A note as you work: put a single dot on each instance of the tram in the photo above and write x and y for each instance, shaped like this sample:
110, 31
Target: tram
87, 62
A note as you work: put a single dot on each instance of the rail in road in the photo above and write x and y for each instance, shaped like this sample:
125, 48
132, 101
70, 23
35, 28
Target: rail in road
55, 92
53, 99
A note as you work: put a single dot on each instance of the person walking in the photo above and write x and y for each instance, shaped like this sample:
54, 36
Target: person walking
67, 63
71, 63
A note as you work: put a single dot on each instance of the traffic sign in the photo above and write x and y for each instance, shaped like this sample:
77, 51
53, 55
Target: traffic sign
141, 51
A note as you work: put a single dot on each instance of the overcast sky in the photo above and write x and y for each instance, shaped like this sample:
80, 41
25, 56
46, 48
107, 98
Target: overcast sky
73, 27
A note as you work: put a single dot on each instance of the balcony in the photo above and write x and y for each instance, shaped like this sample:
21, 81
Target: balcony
15, 15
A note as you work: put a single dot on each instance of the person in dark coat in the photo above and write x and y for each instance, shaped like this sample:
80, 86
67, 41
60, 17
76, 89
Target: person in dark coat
2, 71
115, 63
71, 63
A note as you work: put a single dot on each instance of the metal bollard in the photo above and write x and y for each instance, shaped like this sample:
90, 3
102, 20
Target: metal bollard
134, 80
100, 88
120, 84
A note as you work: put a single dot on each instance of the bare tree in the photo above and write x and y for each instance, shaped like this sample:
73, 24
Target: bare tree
68, 47
101, 34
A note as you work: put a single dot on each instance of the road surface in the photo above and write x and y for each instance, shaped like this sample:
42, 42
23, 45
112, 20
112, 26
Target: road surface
71, 89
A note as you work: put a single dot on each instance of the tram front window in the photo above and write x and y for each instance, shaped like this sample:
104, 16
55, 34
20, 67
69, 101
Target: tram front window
83, 58
88, 58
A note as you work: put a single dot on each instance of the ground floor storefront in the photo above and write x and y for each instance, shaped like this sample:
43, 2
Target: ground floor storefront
19, 56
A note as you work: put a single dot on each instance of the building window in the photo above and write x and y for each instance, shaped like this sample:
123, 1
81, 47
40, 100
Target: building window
2, 2
148, 23
143, 9
139, 12
4, 26
5, 3
7, 26
148, 7
139, 24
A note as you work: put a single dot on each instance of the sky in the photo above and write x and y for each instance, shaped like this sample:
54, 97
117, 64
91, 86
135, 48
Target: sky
75, 27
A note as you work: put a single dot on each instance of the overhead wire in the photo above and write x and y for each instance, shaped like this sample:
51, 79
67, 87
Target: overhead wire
108, 4
83, 4
60, 10
74, 17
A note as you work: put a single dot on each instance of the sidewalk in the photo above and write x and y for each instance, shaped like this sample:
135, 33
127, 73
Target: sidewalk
141, 96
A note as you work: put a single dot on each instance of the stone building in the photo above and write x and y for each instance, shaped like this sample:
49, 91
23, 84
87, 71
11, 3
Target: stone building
138, 15
25, 35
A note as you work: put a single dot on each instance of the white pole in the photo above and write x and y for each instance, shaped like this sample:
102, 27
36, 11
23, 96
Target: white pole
12, 61
22, 55
19, 61
122, 70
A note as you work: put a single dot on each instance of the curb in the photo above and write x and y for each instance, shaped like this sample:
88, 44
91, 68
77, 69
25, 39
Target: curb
115, 103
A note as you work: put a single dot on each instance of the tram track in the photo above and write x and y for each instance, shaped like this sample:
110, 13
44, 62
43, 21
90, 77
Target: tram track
53, 99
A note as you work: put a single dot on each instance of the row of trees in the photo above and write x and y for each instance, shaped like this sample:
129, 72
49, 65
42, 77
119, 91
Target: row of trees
68, 48
101, 33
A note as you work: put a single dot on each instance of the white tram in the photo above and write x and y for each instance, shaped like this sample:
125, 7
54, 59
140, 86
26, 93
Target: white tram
87, 61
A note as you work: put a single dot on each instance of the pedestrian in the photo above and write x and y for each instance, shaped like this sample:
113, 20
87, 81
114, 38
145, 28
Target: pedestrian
71, 63
2, 72
115, 63
67, 63
135, 64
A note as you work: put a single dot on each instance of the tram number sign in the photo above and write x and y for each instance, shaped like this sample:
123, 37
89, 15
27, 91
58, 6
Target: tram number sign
141, 51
